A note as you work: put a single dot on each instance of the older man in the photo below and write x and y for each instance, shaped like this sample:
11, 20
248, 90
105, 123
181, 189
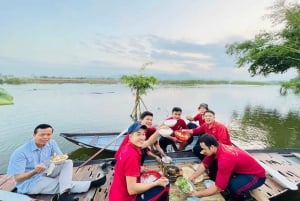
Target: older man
28, 166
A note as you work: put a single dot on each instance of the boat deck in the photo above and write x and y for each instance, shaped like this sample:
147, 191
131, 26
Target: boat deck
286, 167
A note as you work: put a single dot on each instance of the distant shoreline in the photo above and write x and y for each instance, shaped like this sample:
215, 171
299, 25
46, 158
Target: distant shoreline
65, 80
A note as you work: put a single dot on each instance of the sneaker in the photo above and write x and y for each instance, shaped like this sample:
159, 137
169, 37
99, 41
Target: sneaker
66, 197
97, 183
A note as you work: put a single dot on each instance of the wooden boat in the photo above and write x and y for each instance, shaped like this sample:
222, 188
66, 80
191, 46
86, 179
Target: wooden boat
284, 161
94, 140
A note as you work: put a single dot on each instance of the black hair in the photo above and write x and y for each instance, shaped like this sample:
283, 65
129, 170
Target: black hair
209, 111
203, 105
208, 140
176, 109
146, 113
42, 126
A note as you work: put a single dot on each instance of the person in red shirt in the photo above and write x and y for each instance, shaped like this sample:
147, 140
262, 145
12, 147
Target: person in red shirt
146, 119
211, 126
237, 170
125, 185
203, 107
172, 140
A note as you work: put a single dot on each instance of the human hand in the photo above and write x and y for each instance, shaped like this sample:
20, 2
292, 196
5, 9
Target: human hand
40, 168
144, 169
194, 194
158, 159
163, 181
189, 117
192, 179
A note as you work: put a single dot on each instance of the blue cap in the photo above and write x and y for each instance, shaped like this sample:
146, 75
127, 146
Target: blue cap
135, 127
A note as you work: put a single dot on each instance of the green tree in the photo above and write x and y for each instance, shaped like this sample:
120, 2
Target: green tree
272, 52
139, 84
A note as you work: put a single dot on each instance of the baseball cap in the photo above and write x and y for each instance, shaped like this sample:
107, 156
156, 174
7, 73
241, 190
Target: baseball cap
135, 127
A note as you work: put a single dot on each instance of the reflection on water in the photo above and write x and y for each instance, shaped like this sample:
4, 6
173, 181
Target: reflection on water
258, 127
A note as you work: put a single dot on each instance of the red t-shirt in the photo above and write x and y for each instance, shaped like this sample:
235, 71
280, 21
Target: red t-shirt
217, 129
231, 160
122, 145
180, 124
128, 164
148, 133
199, 117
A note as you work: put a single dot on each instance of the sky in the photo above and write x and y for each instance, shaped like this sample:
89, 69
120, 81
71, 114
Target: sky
97, 38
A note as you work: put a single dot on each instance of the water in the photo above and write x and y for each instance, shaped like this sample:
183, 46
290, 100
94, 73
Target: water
257, 116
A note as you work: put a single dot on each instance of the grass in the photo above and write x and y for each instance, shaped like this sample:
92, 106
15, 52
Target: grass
5, 98
63, 80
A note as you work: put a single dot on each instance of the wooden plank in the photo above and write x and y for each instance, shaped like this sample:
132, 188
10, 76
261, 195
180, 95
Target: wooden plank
7, 183
285, 168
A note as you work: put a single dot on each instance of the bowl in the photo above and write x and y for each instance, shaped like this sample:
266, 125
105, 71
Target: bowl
150, 176
170, 122
165, 132
59, 159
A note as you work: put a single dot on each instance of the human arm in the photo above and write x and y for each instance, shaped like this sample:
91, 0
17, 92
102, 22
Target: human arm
157, 158
207, 192
134, 188
27, 175
153, 138
200, 170
159, 149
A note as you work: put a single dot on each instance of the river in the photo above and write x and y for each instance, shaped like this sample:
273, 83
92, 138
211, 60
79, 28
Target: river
257, 116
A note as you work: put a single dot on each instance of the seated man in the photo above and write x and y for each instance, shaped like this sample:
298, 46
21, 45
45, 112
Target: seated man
125, 185
212, 127
203, 107
237, 170
151, 134
172, 140
28, 164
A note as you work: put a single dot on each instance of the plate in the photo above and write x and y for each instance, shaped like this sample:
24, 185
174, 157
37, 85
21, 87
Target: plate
58, 159
165, 132
170, 122
182, 135
150, 176
184, 184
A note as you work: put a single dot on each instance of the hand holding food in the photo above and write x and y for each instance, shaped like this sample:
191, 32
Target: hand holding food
40, 168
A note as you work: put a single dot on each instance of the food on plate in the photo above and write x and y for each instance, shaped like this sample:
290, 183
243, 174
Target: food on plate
170, 122
182, 135
184, 184
58, 158
150, 176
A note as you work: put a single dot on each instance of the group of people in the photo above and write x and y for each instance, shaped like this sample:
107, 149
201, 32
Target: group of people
232, 168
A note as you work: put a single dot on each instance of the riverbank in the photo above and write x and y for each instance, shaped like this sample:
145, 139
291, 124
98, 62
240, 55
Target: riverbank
65, 80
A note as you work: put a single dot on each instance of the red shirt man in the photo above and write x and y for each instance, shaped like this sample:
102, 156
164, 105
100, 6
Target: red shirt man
213, 128
237, 170
125, 185
128, 164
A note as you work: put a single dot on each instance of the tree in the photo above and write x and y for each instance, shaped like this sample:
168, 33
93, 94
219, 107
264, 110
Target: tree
139, 84
272, 52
